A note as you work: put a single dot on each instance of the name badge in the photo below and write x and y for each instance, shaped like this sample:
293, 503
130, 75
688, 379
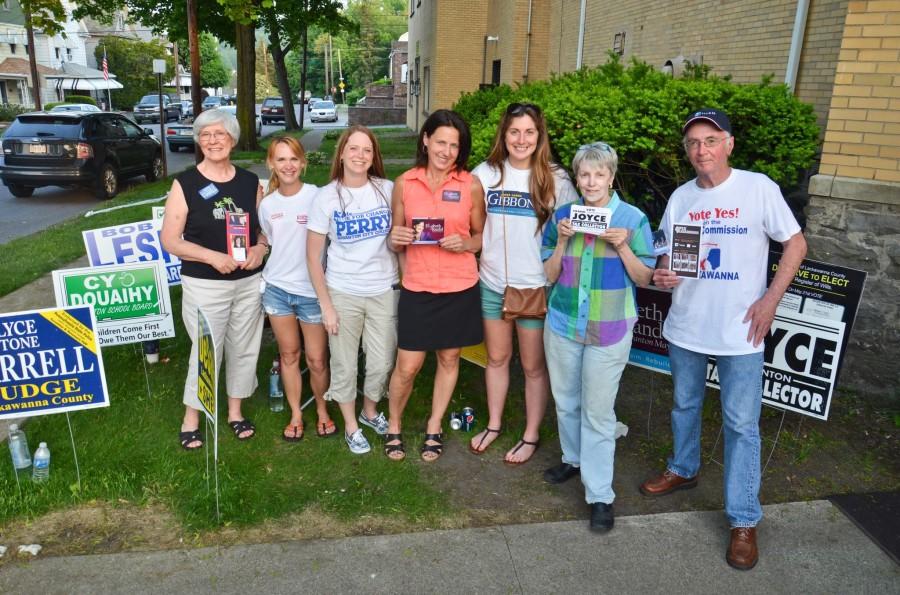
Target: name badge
451, 195
207, 192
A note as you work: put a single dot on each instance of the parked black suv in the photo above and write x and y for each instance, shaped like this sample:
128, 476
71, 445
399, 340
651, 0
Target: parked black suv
77, 148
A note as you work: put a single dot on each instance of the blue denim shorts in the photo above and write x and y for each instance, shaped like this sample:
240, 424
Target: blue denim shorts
278, 302
492, 308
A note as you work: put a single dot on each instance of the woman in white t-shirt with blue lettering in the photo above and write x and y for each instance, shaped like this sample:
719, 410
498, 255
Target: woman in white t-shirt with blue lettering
358, 289
289, 298
522, 189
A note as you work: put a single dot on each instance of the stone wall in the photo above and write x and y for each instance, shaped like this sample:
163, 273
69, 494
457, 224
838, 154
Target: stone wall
376, 116
856, 223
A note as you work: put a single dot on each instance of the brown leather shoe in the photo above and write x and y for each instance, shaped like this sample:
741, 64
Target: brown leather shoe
667, 483
742, 552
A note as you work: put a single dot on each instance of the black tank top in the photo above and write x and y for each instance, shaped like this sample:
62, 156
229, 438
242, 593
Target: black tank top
208, 203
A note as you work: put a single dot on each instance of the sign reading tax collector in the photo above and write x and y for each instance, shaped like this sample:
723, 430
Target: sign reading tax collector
130, 301
50, 362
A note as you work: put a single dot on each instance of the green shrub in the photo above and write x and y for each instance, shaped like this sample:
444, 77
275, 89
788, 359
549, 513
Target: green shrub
52, 104
355, 95
10, 111
317, 158
80, 99
639, 111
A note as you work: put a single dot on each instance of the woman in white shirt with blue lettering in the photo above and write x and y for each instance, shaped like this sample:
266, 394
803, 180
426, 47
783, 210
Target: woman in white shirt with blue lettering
522, 188
358, 291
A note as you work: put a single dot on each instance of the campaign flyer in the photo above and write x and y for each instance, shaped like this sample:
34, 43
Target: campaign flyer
238, 230
590, 220
427, 230
685, 257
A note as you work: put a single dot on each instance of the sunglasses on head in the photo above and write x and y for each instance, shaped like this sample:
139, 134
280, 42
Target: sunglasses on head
597, 146
517, 109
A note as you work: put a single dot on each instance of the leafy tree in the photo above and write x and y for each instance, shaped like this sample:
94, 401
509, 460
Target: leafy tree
213, 72
132, 61
49, 16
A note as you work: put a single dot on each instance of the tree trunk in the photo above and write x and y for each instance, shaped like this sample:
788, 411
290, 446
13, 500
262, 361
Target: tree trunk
32, 57
303, 76
281, 79
194, 50
246, 86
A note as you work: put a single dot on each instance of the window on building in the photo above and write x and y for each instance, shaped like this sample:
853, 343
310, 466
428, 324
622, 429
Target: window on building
495, 72
426, 89
26, 49
619, 43
57, 53
69, 54
404, 72
5, 4
12, 48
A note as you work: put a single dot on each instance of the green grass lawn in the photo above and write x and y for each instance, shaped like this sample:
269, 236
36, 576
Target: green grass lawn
395, 143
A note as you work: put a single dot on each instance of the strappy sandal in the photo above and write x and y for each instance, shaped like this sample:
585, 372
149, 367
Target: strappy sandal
241, 426
477, 449
325, 429
435, 449
191, 436
296, 430
536, 444
391, 449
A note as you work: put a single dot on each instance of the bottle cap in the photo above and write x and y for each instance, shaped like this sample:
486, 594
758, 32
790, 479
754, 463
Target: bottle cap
42, 445
13, 427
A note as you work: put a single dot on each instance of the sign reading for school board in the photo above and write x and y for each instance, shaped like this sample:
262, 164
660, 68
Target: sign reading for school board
50, 362
804, 349
130, 242
131, 301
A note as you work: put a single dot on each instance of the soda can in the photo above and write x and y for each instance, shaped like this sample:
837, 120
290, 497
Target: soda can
468, 419
455, 421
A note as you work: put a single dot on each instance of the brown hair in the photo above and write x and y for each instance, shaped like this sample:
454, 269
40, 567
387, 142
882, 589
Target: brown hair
337, 166
445, 117
296, 148
541, 181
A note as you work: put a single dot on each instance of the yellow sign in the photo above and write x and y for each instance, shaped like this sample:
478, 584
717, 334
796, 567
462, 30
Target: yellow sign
72, 327
476, 354
206, 367
341, 85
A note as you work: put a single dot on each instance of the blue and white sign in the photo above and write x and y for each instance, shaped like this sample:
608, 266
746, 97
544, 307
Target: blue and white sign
128, 243
50, 362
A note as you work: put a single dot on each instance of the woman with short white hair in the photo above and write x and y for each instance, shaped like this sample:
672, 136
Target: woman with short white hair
199, 227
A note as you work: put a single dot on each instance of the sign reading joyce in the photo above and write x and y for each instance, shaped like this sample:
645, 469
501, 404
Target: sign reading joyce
131, 242
130, 301
588, 219
50, 362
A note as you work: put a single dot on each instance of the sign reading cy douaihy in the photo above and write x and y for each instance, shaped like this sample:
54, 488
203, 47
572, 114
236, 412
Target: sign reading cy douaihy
805, 346
50, 362
130, 301
130, 242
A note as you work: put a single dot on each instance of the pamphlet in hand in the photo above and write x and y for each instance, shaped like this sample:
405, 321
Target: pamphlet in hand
685, 257
237, 226
427, 230
591, 220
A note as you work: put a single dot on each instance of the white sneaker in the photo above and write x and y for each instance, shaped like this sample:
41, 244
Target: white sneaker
379, 423
357, 442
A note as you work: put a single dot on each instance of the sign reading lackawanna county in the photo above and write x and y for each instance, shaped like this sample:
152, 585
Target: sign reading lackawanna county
130, 242
50, 362
804, 349
130, 301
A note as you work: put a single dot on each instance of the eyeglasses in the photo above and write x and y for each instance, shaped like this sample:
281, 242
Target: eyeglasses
218, 135
709, 142
517, 109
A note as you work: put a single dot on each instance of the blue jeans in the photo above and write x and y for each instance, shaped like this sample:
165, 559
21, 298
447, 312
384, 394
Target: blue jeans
740, 379
584, 380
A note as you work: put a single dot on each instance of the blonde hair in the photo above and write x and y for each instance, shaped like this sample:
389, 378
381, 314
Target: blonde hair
296, 148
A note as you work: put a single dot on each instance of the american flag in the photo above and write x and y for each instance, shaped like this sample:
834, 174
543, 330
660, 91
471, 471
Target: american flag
105, 66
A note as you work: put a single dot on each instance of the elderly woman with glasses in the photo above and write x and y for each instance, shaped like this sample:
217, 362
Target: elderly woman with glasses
207, 209
592, 311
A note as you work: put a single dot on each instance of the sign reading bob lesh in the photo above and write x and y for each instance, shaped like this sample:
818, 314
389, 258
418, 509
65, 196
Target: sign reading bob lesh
805, 346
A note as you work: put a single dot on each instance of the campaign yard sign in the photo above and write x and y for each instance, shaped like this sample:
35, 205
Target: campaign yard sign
804, 349
131, 301
50, 362
207, 377
128, 243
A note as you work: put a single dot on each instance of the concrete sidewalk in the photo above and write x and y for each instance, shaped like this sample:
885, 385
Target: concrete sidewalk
806, 547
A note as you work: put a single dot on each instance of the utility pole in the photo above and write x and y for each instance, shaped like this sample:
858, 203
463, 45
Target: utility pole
32, 55
341, 78
331, 65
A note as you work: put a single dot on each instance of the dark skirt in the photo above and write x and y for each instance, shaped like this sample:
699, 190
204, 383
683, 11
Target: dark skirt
432, 321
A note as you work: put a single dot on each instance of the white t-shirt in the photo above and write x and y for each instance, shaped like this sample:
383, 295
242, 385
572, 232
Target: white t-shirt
512, 202
283, 219
357, 222
738, 218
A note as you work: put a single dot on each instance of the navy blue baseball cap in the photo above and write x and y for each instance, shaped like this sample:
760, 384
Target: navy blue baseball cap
715, 117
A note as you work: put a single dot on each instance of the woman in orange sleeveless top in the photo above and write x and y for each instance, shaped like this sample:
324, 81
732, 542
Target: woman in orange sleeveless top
438, 215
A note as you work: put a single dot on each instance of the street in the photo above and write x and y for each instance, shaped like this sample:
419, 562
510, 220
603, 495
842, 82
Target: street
53, 204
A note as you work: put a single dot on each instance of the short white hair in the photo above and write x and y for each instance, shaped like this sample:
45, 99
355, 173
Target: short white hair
211, 117
599, 154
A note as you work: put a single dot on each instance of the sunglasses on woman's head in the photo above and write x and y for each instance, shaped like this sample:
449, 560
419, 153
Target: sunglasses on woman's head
518, 109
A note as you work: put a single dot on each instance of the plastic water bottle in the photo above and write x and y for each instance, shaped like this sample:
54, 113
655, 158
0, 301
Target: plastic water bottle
18, 448
41, 469
276, 397
151, 351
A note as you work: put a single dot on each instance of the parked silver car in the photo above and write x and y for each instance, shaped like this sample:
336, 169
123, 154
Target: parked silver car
323, 111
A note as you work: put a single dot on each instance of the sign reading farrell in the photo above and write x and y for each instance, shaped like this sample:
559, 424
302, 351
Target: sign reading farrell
130, 301
50, 362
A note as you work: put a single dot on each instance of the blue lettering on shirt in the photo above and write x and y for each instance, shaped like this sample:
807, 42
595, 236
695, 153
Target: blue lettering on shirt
354, 227
509, 202
208, 191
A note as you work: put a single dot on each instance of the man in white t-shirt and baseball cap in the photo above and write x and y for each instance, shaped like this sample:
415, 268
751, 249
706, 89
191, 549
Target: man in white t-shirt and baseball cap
726, 312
